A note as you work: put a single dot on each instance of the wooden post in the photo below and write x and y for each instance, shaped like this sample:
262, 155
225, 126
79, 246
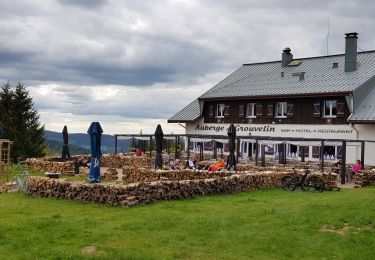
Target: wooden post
256, 152
343, 159
115, 144
303, 154
322, 156
281, 153
215, 149
263, 154
363, 154
201, 151
149, 147
188, 148
238, 149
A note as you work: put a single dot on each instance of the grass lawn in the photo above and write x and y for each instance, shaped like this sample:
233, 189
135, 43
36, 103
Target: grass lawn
270, 224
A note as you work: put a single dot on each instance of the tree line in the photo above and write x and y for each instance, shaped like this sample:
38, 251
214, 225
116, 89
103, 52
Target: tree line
20, 122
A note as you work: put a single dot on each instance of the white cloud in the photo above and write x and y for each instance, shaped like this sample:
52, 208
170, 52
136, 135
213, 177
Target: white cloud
135, 63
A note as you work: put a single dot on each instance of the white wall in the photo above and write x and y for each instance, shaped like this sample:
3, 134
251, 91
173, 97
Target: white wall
367, 132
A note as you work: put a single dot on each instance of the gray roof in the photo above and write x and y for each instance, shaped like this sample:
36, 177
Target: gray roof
264, 79
366, 110
190, 113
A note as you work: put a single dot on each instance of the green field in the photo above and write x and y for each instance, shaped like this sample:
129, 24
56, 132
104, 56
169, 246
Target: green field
270, 224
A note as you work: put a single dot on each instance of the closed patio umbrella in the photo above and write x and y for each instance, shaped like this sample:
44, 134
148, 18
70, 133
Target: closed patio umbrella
159, 147
231, 145
95, 131
65, 151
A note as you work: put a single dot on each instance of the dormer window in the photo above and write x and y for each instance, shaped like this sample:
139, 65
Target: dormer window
281, 109
330, 108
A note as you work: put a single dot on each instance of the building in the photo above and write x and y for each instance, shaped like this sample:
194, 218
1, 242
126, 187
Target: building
329, 97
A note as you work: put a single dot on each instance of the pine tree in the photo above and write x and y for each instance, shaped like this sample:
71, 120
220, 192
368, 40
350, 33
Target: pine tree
20, 120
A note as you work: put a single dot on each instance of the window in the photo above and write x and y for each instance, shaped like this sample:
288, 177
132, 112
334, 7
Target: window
330, 108
281, 109
220, 110
250, 110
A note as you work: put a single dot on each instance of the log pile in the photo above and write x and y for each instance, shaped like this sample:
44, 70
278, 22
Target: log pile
146, 192
131, 174
66, 168
110, 174
119, 161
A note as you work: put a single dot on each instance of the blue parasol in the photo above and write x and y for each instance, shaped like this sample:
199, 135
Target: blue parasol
95, 131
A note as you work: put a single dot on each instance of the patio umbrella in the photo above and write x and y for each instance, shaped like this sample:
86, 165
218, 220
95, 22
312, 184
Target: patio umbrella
159, 147
65, 151
95, 131
231, 145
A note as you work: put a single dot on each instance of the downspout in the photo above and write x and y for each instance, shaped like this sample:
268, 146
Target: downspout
351, 108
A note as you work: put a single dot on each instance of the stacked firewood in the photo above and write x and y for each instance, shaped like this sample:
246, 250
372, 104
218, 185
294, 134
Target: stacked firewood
66, 168
119, 161
146, 192
110, 174
131, 174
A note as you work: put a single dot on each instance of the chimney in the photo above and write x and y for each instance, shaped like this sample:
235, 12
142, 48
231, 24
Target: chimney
351, 51
286, 57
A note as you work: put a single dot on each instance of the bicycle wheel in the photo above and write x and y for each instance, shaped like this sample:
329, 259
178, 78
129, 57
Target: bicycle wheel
315, 184
285, 181
293, 184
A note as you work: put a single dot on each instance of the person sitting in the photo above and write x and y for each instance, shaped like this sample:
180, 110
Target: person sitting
138, 152
176, 165
191, 164
218, 166
356, 168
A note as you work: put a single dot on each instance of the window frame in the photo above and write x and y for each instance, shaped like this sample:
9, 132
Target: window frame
284, 109
253, 105
330, 109
222, 111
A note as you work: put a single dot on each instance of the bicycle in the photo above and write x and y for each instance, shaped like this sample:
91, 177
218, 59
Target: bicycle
305, 182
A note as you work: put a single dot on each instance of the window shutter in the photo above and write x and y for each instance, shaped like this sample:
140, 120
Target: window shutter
211, 111
226, 111
340, 109
259, 112
241, 108
317, 109
290, 109
270, 110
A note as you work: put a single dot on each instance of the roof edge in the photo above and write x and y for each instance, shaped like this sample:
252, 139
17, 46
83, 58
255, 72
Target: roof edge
364, 122
279, 96
307, 58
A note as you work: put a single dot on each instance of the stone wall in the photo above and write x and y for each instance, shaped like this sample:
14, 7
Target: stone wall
146, 192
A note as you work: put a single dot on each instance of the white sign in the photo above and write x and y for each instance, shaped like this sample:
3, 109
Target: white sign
276, 130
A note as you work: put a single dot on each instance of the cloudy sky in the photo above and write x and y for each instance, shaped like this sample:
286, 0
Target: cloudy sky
131, 64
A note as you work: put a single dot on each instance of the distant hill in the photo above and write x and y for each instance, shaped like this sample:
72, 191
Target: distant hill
55, 147
83, 141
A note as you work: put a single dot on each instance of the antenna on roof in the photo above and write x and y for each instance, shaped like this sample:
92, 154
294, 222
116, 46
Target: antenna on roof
329, 18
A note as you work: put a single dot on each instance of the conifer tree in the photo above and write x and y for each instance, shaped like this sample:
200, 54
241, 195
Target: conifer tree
20, 121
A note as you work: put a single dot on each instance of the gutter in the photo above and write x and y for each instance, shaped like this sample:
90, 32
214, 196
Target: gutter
327, 94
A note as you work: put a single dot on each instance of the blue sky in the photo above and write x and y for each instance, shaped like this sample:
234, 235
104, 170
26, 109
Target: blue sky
132, 64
